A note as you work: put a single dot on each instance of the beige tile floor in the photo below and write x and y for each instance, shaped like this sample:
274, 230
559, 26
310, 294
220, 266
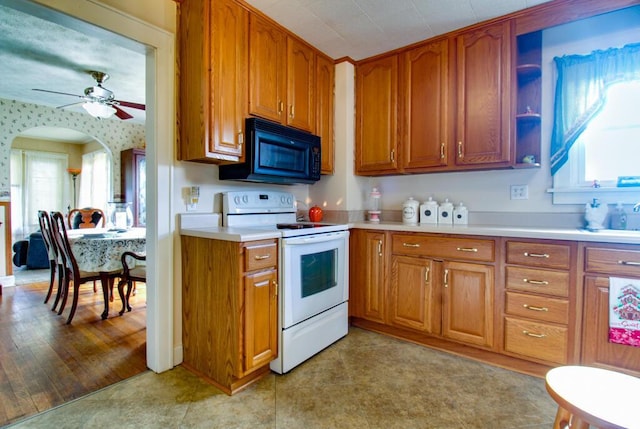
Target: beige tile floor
366, 381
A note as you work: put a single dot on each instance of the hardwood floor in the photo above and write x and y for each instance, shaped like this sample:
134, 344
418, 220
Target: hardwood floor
45, 362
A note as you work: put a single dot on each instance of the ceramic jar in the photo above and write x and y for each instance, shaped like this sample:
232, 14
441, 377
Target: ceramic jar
429, 212
445, 213
410, 211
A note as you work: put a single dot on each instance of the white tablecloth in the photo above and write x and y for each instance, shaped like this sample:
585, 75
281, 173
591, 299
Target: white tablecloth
100, 250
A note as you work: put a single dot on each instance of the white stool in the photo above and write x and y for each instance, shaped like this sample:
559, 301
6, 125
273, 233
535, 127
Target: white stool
593, 396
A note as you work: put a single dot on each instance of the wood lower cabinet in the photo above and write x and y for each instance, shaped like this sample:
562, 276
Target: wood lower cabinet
540, 315
367, 276
229, 309
601, 262
212, 80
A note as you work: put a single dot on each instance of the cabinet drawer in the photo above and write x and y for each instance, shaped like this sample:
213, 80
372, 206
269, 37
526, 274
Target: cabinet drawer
471, 249
538, 307
537, 340
538, 281
612, 261
260, 256
539, 254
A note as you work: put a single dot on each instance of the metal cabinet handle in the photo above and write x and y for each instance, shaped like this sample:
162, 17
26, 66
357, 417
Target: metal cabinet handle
533, 334
534, 308
280, 107
240, 138
292, 111
460, 155
393, 155
442, 147
275, 287
380, 248
536, 282
426, 275
446, 278
536, 255
631, 263
261, 257
467, 249
411, 244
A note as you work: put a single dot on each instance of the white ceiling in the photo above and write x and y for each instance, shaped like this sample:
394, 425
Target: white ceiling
43, 49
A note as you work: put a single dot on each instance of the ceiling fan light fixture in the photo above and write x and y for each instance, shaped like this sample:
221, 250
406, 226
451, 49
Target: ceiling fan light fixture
99, 110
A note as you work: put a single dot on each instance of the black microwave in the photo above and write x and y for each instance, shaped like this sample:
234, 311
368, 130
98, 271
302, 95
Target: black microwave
276, 154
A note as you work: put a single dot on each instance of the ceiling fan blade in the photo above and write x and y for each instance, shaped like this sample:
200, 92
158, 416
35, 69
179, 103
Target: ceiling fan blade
131, 105
121, 113
70, 104
56, 92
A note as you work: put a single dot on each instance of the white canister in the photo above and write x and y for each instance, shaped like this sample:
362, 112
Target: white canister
445, 213
460, 215
429, 212
410, 211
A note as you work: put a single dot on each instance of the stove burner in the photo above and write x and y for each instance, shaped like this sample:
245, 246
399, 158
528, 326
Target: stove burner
297, 225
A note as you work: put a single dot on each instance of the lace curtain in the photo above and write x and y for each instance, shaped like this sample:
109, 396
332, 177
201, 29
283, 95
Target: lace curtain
581, 89
95, 180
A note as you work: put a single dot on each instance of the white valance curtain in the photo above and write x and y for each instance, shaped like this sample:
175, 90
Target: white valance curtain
580, 92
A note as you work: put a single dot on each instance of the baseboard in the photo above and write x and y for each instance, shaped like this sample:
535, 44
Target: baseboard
7, 281
178, 355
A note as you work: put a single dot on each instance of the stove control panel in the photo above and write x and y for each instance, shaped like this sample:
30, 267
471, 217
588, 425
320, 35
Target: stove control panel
256, 202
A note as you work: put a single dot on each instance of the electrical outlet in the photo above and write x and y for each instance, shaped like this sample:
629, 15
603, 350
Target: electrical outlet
519, 192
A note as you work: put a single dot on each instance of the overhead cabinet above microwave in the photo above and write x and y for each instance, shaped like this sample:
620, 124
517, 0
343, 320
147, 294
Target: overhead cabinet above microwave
222, 81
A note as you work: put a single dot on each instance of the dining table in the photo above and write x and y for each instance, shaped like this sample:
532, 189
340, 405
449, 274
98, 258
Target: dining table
100, 250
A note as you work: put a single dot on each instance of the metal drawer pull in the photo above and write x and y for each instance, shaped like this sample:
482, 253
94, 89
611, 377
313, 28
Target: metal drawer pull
260, 258
534, 308
467, 249
534, 335
536, 255
379, 247
536, 282
632, 263
411, 244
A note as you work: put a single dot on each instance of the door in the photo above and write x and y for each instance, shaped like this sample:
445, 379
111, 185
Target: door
483, 121
260, 319
413, 301
314, 275
467, 313
377, 116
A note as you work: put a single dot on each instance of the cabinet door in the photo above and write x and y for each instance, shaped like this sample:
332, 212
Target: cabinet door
413, 301
376, 116
229, 58
267, 54
425, 110
325, 82
596, 348
301, 70
260, 319
367, 276
484, 87
468, 303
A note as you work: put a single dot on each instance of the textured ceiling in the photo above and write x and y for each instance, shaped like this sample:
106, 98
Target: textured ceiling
43, 49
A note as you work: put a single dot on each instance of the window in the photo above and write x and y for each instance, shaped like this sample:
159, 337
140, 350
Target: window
95, 180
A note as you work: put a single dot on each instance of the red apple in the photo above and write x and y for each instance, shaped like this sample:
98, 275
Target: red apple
315, 214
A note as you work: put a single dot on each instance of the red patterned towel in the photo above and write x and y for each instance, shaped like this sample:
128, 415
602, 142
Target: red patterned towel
624, 311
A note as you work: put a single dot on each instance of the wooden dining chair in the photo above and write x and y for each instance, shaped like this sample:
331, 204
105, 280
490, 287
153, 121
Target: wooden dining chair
88, 217
55, 264
72, 273
137, 273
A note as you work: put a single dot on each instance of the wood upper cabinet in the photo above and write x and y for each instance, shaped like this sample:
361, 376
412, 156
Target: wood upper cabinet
213, 93
325, 84
484, 88
281, 76
425, 116
376, 148
367, 283
468, 302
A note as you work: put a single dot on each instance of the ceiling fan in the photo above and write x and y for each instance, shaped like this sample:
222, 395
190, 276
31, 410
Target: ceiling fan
99, 101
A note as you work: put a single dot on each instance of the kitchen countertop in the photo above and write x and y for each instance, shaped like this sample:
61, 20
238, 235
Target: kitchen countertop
573, 234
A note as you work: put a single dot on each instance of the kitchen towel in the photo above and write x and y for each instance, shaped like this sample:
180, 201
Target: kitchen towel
624, 311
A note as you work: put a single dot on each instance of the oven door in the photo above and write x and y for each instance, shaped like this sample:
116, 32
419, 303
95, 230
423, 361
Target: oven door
314, 273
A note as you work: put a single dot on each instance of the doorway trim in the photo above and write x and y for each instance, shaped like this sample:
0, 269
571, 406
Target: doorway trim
159, 129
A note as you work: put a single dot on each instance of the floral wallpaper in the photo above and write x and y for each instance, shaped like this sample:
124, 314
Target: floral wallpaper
16, 117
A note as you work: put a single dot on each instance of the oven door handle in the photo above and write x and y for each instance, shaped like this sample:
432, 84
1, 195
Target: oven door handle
319, 238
